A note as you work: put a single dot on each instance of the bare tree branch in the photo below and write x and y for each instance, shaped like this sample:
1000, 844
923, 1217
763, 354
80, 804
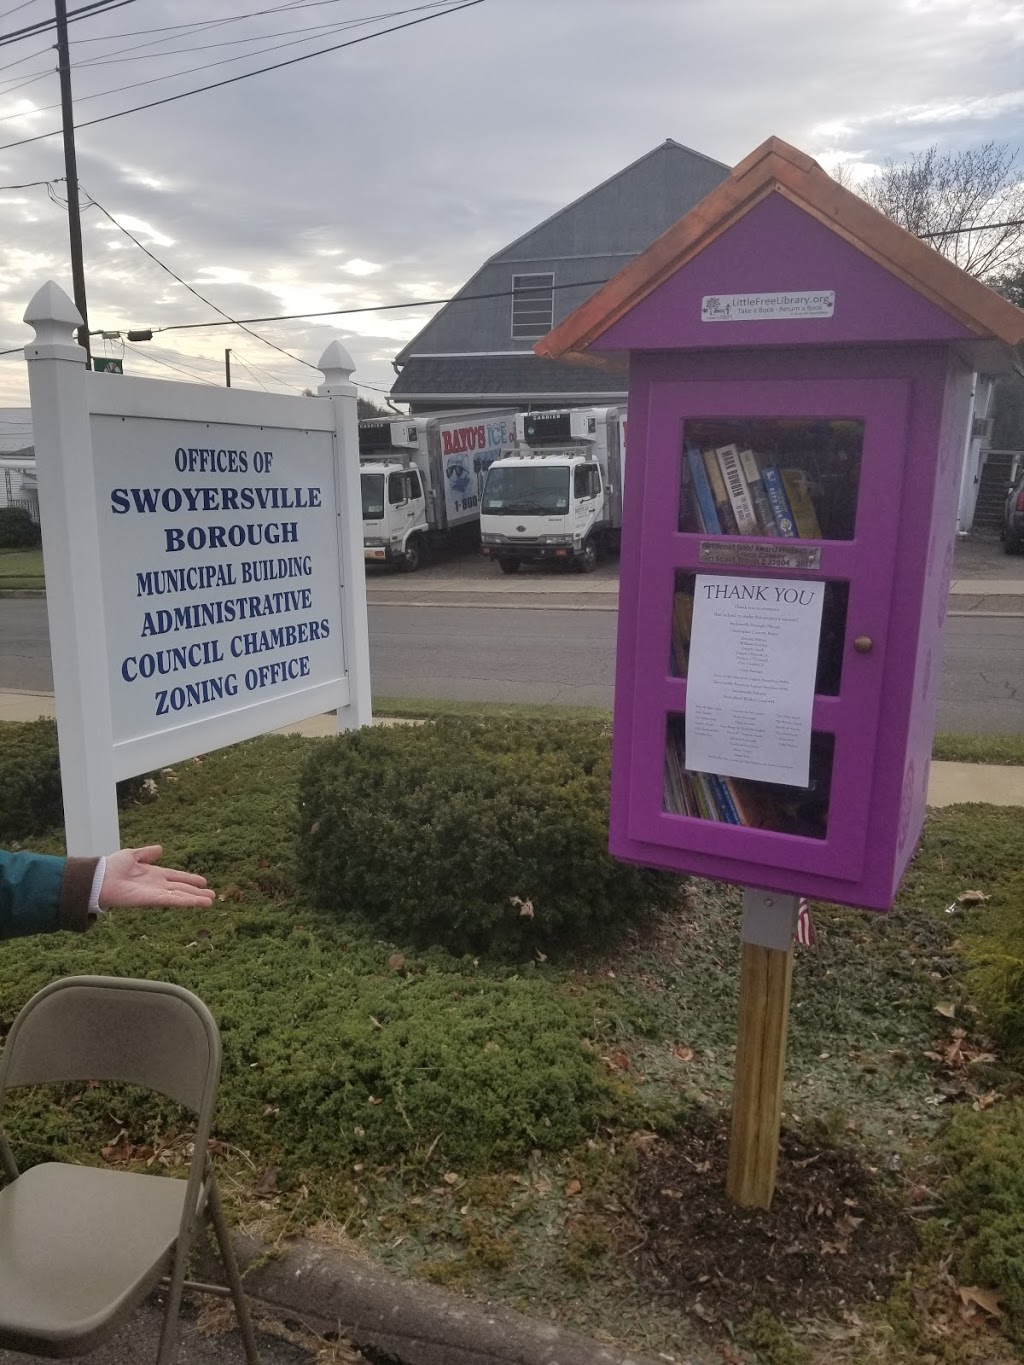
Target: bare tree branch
953, 197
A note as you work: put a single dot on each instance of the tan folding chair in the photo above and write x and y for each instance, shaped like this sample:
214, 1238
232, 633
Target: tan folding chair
81, 1247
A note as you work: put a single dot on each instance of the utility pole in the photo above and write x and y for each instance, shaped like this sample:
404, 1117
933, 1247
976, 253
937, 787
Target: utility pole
227, 366
71, 174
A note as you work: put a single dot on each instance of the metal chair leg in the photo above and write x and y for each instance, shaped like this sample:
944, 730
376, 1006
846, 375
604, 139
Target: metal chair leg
215, 1209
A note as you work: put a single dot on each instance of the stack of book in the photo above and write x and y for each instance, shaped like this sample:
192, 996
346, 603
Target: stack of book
706, 796
740, 801
741, 493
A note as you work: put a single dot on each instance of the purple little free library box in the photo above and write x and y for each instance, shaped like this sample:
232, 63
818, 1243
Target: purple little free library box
800, 381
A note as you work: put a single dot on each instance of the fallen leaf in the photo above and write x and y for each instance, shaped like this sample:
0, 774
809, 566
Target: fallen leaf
985, 1299
451, 1178
972, 897
683, 1054
267, 1183
986, 1101
525, 907
396, 962
573, 1187
947, 1010
374, 1100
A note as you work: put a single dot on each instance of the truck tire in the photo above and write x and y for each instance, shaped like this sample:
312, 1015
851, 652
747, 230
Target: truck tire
414, 555
587, 561
509, 565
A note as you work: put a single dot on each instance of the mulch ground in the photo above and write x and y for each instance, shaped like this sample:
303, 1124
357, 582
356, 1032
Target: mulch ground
835, 1235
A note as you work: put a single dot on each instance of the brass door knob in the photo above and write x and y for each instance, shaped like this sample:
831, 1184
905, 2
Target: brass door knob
863, 644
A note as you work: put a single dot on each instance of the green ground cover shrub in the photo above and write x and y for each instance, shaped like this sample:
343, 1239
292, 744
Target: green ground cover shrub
994, 945
337, 1050
983, 1157
30, 787
479, 836
17, 529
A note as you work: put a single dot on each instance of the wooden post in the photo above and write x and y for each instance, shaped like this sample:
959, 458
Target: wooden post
766, 974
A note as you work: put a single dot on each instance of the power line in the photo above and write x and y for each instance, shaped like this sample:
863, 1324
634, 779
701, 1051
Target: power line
14, 9
375, 307
189, 71
245, 75
44, 26
976, 227
157, 361
31, 184
209, 303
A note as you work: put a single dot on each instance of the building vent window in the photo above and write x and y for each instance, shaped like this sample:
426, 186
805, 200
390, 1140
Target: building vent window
533, 306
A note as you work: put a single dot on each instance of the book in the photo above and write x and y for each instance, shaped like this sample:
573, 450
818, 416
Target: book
762, 507
778, 498
726, 516
736, 488
806, 518
723, 803
705, 502
682, 623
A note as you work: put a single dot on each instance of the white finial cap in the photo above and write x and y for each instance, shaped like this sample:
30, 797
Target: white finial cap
54, 317
336, 365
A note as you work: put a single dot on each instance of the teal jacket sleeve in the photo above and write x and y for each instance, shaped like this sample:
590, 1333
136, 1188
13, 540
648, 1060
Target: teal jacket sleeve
39, 893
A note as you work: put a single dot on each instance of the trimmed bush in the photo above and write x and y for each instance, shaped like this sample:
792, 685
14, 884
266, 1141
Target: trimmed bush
983, 1156
994, 945
17, 530
31, 801
474, 836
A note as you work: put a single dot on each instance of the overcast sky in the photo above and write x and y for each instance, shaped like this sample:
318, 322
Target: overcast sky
389, 171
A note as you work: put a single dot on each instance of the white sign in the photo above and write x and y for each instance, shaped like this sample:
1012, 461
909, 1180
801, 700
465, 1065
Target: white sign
819, 303
219, 559
468, 449
750, 683
204, 564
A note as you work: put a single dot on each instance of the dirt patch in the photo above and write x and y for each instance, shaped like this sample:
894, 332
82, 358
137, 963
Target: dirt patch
835, 1236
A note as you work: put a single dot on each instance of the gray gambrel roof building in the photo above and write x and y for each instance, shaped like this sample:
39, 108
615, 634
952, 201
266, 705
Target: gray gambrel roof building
479, 347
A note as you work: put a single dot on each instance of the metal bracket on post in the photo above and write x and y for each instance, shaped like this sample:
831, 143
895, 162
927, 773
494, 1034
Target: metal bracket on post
337, 366
766, 975
71, 554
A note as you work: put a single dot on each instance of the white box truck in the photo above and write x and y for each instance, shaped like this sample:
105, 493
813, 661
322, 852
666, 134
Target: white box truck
421, 479
558, 494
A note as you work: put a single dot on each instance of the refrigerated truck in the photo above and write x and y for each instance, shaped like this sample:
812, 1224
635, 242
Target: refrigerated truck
558, 494
421, 479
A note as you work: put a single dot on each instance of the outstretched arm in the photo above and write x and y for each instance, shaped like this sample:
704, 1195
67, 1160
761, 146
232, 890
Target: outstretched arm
133, 876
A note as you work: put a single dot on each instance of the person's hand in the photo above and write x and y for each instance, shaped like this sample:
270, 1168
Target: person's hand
132, 877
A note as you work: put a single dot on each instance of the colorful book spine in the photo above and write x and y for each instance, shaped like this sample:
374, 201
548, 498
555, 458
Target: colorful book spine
701, 487
799, 494
762, 507
736, 488
727, 811
726, 516
781, 510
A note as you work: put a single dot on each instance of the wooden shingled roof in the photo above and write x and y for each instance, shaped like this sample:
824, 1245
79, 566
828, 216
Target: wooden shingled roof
777, 168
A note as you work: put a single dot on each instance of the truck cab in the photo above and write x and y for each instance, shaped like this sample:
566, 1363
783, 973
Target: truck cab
394, 503
557, 494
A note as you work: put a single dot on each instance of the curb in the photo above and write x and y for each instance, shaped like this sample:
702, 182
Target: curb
415, 1322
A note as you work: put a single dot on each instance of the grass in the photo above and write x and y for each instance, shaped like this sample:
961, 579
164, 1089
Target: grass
949, 748
21, 569
430, 708
979, 748
480, 1125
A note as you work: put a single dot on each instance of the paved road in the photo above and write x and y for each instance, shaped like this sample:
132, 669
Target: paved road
546, 653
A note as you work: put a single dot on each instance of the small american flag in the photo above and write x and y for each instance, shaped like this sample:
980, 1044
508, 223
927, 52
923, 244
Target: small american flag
804, 927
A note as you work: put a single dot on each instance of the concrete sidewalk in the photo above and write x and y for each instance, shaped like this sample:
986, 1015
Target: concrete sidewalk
948, 784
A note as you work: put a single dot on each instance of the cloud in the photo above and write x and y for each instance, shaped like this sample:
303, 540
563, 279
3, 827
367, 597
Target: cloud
393, 169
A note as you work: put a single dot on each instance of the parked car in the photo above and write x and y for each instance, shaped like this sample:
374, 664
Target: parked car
1013, 516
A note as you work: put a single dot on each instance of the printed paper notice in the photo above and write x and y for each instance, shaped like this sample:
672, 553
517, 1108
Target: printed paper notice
750, 684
